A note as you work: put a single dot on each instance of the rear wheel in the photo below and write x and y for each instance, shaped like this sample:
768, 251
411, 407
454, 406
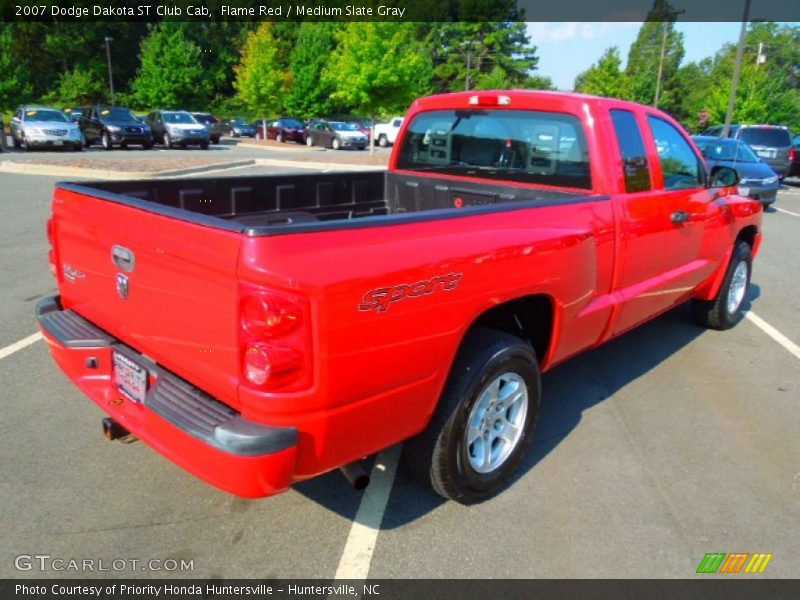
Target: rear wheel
383, 141
105, 142
727, 308
309, 141
24, 143
279, 137
168, 141
336, 144
204, 145
16, 142
485, 419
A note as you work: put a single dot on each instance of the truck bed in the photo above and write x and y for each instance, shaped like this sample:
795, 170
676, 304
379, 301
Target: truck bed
276, 204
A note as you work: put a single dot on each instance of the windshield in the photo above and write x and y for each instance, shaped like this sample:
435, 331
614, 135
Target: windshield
205, 118
43, 115
513, 145
116, 114
730, 150
291, 123
241, 122
338, 126
178, 117
774, 137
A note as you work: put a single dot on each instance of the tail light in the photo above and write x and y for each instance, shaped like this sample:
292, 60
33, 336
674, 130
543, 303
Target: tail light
51, 255
275, 339
793, 154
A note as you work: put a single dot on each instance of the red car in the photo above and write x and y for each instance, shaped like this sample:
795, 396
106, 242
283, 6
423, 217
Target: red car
262, 330
283, 130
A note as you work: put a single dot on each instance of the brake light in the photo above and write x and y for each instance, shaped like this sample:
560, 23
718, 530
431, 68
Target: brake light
275, 339
489, 100
51, 255
793, 154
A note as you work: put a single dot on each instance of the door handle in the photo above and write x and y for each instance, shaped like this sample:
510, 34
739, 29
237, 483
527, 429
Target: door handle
123, 258
679, 216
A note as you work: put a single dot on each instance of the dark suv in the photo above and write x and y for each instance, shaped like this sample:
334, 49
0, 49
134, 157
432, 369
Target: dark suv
212, 124
114, 126
772, 143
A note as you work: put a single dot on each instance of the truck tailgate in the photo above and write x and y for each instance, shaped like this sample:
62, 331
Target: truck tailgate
164, 286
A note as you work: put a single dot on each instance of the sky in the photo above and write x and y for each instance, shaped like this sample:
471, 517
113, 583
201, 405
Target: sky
566, 49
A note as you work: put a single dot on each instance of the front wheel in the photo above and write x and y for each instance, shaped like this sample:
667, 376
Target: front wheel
204, 145
105, 142
309, 141
727, 308
336, 144
383, 141
484, 423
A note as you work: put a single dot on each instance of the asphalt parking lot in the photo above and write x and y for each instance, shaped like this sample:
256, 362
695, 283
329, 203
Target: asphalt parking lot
665, 444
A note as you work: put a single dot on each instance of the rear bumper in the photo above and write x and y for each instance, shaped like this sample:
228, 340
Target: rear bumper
202, 435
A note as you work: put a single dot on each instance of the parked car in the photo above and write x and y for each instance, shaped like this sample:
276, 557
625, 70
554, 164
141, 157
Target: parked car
211, 123
177, 129
386, 133
794, 158
771, 143
262, 330
42, 127
336, 135
756, 179
363, 125
239, 128
114, 126
285, 129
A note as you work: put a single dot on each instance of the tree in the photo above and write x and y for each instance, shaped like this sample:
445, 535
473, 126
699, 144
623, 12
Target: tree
79, 87
378, 68
260, 80
171, 73
645, 54
605, 77
309, 95
490, 48
14, 85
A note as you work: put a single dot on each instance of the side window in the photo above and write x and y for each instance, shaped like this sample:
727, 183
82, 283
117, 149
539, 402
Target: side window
396, 123
682, 169
634, 157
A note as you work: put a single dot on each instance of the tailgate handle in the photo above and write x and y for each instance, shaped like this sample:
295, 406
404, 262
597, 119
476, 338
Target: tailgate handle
123, 258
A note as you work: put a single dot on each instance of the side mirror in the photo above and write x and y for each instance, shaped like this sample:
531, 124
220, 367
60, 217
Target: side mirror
724, 177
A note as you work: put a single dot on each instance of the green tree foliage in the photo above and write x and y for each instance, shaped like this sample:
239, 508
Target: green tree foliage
310, 95
378, 68
645, 54
79, 87
605, 77
14, 84
171, 73
491, 48
260, 77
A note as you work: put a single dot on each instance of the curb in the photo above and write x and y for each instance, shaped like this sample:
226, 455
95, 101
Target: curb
21, 168
281, 148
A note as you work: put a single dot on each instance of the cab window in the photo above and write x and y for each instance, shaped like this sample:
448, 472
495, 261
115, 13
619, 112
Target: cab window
681, 167
631, 147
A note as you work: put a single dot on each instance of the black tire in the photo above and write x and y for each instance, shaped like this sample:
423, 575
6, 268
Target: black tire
105, 142
279, 138
336, 144
439, 456
215, 140
24, 144
309, 141
204, 145
16, 142
168, 141
77, 148
716, 314
148, 146
383, 141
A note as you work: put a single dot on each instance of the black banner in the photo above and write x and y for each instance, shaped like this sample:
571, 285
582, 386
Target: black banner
387, 10
711, 587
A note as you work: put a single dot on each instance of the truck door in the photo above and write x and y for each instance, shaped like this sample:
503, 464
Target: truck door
681, 176
642, 226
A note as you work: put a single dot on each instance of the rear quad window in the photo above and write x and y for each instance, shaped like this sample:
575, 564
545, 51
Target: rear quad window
510, 145
772, 137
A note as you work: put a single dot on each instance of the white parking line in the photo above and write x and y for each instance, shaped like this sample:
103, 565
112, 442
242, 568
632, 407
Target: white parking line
788, 212
774, 333
357, 554
24, 343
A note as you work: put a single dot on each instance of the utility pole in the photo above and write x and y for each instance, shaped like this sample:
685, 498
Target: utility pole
110, 76
737, 68
664, 36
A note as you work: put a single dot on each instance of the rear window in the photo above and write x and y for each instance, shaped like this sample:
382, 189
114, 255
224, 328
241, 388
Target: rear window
510, 145
773, 137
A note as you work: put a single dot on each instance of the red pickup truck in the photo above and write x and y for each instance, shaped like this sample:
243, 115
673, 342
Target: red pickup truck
259, 331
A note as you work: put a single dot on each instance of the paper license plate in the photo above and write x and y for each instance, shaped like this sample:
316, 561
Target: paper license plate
130, 377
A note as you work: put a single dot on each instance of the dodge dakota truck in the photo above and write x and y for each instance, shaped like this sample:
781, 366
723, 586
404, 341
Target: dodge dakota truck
262, 330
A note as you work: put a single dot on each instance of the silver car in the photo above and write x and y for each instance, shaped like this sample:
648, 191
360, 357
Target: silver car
41, 127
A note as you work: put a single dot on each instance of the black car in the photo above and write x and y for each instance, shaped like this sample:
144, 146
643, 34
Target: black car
211, 123
239, 128
794, 158
771, 143
74, 113
178, 129
336, 135
756, 178
114, 126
